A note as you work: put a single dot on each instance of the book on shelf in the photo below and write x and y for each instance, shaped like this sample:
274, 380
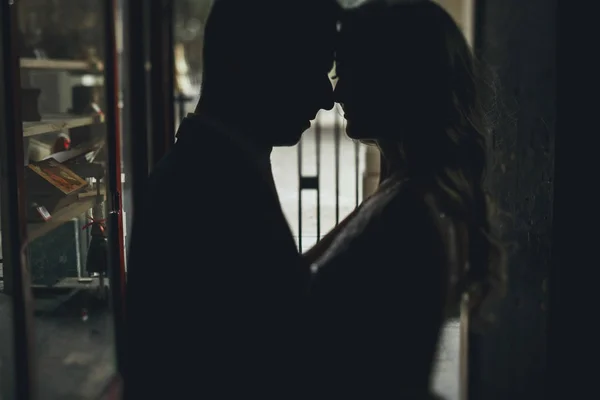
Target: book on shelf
51, 186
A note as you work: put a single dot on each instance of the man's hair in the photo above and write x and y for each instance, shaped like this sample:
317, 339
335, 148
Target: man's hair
251, 35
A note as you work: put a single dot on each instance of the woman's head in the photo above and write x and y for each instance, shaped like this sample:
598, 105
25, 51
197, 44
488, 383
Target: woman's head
407, 79
403, 69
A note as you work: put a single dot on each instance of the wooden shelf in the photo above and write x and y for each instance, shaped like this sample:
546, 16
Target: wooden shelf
62, 216
75, 283
56, 123
68, 65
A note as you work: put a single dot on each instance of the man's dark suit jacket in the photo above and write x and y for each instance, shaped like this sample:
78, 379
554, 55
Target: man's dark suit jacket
216, 287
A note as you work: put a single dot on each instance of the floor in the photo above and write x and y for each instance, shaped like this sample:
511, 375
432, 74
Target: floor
74, 352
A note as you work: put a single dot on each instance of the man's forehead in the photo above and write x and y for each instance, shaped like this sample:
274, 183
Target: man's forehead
305, 25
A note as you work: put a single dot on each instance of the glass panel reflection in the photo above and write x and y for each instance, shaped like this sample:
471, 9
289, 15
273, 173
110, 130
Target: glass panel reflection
63, 102
6, 343
125, 127
7, 376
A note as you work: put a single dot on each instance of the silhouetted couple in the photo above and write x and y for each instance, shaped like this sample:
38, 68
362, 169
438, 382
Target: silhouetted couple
220, 303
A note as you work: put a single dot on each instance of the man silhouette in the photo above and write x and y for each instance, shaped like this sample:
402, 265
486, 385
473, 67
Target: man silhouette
216, 286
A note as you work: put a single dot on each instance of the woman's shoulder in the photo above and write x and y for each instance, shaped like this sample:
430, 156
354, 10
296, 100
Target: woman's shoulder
409, 201
423, 214
416, 213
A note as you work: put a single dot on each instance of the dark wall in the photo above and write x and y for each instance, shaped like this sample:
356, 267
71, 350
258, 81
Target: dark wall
516, 39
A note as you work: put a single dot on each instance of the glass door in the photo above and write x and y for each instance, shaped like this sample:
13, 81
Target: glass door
67, 174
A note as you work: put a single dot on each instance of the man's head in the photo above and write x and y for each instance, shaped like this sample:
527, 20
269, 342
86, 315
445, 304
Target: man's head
266, 64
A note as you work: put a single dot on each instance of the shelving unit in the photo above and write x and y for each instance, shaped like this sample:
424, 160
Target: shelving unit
65, 123
53, 123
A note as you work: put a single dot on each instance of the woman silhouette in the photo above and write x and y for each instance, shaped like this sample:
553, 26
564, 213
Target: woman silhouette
407, 81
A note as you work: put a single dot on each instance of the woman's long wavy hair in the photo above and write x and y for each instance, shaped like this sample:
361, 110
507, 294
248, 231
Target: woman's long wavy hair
443, 123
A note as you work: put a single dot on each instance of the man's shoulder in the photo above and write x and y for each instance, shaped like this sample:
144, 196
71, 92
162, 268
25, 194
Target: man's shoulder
180, 169
205, 179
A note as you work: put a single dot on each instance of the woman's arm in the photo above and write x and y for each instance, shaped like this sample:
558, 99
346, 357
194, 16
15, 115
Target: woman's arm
322, 245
